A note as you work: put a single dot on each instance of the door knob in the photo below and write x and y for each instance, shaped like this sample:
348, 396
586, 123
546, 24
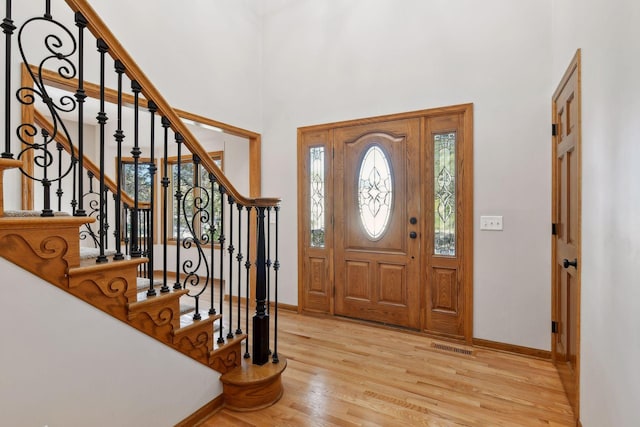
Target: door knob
566, 263
413, 234
413, 220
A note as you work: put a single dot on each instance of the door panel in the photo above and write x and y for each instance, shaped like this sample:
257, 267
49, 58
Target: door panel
444, 292
377, 275
567, 241
357, 278
315, 234
393, 284
567, 230
317, 276
444, 159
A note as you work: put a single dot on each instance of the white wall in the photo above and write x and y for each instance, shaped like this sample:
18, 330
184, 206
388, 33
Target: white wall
63, 359
203, 56
609, 36
329, 61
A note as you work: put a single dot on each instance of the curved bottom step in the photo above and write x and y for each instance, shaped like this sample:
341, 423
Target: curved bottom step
251, 387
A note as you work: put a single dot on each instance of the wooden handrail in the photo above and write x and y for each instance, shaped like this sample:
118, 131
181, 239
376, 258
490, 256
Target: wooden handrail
44, 123
99, 29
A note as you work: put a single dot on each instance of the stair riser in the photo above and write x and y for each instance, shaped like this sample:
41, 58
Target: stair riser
226, 358
41, 245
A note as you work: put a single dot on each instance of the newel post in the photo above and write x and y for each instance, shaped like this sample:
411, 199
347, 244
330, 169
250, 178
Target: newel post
261, 318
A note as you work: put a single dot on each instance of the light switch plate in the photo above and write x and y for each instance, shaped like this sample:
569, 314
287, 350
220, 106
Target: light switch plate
493, 223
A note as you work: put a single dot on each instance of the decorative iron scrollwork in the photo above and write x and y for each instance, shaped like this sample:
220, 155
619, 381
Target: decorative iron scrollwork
56, 51
197, 216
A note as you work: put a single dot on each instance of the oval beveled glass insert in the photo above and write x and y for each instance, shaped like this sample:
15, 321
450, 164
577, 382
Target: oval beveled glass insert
375, 192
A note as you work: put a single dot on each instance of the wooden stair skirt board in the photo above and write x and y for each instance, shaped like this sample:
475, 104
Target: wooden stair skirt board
49, 248
252, 387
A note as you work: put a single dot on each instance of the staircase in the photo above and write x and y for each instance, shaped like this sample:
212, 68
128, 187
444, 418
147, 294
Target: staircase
153, 262
50, 249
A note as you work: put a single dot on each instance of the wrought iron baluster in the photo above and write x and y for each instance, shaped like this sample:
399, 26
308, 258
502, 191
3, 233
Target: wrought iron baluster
141, 248
239, 258
90, 176
247, 266
212, 229
119, 137
276, 268
46, 184
231, 249
152, 172
47, 13
261, 318
88, 231
196, 314
144, 232
221, 239
135, 152
165, 203
127, 229
59, 191
74, 177
7, 28
80, 95
195, 231
102, 121
178, 194
141, 241
269, 260
105, 226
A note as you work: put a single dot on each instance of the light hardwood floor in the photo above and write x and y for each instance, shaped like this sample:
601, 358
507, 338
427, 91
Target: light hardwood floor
344, 373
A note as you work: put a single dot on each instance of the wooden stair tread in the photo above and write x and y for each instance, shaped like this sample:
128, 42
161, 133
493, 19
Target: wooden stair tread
144, 300
187, 323
90, 264
40, 222
229, 342
143, 297
10, 164
29, 214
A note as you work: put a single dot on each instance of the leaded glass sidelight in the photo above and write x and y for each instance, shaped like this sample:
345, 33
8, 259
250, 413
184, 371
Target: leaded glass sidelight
375, 192
444, 158
317, 196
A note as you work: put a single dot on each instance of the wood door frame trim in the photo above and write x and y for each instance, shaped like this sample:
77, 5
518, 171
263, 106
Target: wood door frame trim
432, 112
574, 66
466, 110
467, 226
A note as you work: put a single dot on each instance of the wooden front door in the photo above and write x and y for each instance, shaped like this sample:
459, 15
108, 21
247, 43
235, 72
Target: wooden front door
566, 240
377, 205
386, 227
